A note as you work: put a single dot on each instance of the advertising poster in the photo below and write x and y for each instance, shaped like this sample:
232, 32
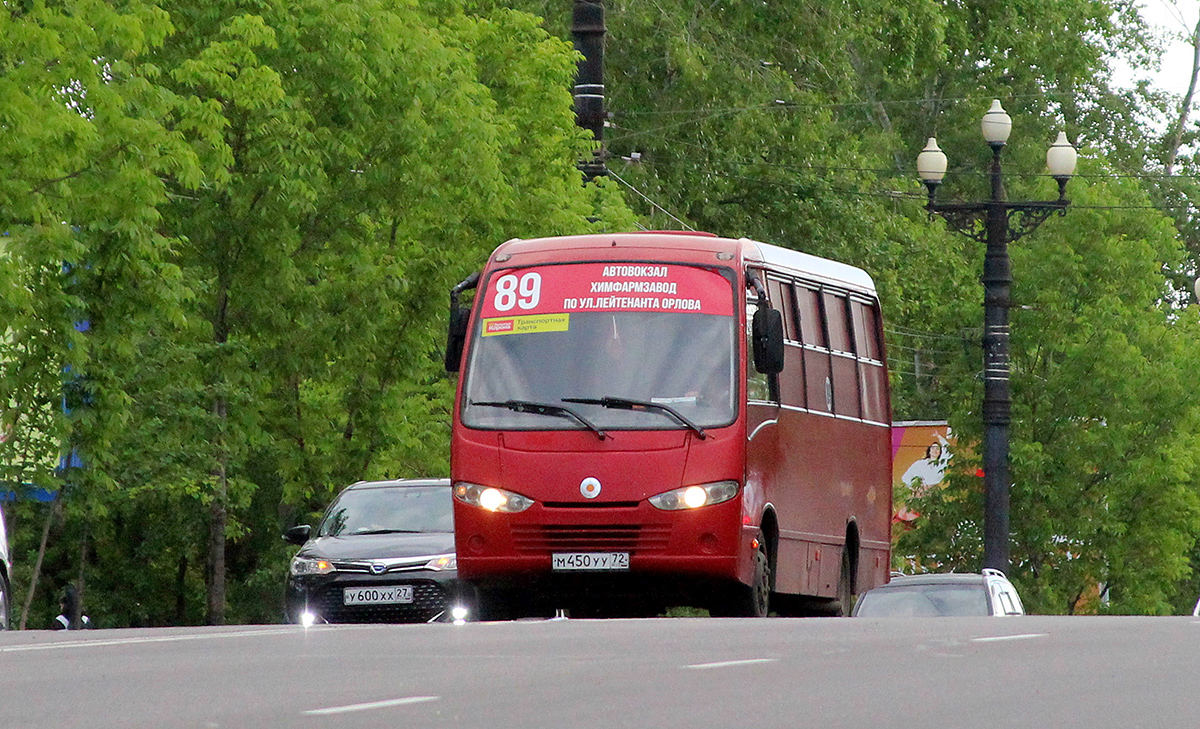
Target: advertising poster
921, 452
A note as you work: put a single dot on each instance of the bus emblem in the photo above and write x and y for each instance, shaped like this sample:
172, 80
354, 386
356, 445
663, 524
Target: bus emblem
590, 488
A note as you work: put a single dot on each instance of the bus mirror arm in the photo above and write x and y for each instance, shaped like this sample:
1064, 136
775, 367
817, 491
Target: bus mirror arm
460, 318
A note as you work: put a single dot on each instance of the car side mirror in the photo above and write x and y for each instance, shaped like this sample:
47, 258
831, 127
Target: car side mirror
297, 534
767, 336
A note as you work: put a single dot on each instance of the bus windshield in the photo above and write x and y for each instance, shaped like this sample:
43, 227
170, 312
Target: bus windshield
567, 365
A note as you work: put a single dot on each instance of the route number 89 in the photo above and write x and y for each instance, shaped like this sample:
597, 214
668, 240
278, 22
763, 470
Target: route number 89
524, 293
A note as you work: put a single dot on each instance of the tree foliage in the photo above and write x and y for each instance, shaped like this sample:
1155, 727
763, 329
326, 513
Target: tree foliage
798, 124
336, 168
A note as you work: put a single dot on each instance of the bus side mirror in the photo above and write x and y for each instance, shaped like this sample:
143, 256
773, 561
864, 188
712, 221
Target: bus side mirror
456, 338
767, 336
460, 318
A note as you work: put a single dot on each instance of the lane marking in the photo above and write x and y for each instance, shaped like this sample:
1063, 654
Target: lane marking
724, 664
149, 639
371, 705
998, 638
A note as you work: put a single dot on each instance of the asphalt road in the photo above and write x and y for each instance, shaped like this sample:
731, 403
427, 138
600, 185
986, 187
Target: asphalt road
689, 672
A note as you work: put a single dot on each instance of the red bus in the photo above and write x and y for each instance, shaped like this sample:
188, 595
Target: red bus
653, 419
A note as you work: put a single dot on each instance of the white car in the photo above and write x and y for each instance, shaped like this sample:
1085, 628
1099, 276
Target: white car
942, 595
5, 577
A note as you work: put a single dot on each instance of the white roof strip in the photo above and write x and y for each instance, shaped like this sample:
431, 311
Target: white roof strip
822, 269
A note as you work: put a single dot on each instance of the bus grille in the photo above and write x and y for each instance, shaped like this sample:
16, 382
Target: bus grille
591, 538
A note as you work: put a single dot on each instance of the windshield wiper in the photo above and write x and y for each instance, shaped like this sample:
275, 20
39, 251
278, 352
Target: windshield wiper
621, 403
541, 408
384, 531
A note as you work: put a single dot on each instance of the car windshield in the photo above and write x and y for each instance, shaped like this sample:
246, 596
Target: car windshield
924, 601
389, 510
594, 363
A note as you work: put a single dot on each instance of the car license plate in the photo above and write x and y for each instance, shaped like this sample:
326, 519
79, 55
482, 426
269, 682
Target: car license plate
377, 595
584, 561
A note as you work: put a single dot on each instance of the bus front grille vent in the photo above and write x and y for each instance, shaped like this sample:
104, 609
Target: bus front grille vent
539, 539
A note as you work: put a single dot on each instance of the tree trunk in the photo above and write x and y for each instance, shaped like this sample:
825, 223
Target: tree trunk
218, 517
76, 616
1185, 106
181, 590
218, 511
53, 512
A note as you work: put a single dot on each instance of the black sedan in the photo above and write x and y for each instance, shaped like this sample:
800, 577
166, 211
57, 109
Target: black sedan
384, 552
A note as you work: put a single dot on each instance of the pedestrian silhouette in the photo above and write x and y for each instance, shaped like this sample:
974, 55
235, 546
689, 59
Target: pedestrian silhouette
67, 606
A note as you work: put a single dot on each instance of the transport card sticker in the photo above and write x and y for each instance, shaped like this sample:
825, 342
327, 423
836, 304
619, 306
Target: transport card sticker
541, 299
526, 324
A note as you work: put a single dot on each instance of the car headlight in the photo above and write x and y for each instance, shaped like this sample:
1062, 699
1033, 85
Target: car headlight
302, 566
445, 562
693, 497
491, 498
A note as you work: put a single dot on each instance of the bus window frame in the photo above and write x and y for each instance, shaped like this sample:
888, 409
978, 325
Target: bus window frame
788, 289
475, 332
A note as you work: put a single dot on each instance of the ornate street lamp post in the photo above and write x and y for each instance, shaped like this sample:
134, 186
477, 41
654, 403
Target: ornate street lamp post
996, 222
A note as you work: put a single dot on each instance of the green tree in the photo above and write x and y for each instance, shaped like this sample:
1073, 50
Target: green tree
798, 124
90, 142
1104, 457
377, 152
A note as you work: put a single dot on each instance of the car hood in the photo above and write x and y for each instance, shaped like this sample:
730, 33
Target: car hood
380, 546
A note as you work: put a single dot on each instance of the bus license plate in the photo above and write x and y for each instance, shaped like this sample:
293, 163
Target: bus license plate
598, 561
377, 595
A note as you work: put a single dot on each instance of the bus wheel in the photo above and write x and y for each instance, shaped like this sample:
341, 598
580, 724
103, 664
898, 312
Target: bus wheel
845, 596
760, 589
749, 601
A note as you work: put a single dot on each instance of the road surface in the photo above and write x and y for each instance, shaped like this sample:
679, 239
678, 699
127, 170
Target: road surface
1038, 672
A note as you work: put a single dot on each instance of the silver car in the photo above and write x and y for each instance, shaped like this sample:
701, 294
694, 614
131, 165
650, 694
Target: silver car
942, 595
5, 577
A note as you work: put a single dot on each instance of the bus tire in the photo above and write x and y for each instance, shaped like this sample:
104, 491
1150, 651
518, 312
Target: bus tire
749, 601
760, 587
845, 588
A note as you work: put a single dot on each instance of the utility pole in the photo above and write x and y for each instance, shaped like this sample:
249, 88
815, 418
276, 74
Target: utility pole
587, 30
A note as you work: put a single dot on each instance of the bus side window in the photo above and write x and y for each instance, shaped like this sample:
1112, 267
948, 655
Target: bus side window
818, 383
781, 299
842, 360
866, 331
838, 322
758, 385
791, 380
812, 332
870, 362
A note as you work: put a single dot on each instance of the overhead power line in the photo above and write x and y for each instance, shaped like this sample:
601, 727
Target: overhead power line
656, 206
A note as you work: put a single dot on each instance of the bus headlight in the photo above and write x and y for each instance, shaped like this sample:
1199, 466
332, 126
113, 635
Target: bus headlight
693, 497
491, 498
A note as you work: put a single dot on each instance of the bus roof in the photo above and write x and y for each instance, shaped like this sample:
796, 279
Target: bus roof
811, 266
744, 250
